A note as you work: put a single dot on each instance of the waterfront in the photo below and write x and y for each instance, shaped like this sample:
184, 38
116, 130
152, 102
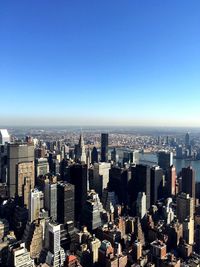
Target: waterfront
178, 163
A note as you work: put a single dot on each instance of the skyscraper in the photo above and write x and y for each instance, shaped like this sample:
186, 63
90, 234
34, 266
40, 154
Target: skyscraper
65, 205
100, 177
25, 180
171, 181
50, 198
141, 205
36, 203
18, 153
78, 177
157, 184
55, 256
94, 155
92, 211
165, 159
187, 139
4, 136
188, 181
104, 147
185, 207
81, 154
140, 182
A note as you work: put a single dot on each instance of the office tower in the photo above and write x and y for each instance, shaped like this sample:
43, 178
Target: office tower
94, 155
108, 199
185, 207
19, 220
4, 136
165, 159
168, 211
114, 155
134, 157
33, 237
88, 157
157, 184
141, 205
41, 167
20, 257
92, 211
17, 153
81, 155
36, 203
78, 177
140, 182
65, 205
104, 147
100, 177
3, 163
50, 198
25, 180
187, 139
188, 231
171, 181
94, 245
118, 183
179, 152
158, 250
188, 181
55, 256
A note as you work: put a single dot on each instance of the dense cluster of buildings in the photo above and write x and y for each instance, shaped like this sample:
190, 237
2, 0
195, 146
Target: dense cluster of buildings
80, 206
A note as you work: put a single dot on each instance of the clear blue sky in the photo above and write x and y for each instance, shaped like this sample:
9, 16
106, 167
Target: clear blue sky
130, 62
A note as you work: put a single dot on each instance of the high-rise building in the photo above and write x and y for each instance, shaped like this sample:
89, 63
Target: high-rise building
25, 180
188, 181
165, 159
81, 154
140, 182
171, 181
188, 231
94, 155
20, 256
187, 139
55, 256
78, 177
118, 183
41, 166
4, 136
50, 199
92, 211
17, 153
65, 205
141, 205
3, 163
158, 250
36, 203
104, 147
100, 176
33, 237
157, 184
185, 207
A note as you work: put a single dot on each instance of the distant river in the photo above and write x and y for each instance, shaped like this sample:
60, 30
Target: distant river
178, 163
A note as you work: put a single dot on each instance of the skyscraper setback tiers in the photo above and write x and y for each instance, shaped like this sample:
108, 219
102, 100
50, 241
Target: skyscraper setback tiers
84, 201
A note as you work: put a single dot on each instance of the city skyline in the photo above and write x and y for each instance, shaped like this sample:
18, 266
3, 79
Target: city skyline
131, 63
